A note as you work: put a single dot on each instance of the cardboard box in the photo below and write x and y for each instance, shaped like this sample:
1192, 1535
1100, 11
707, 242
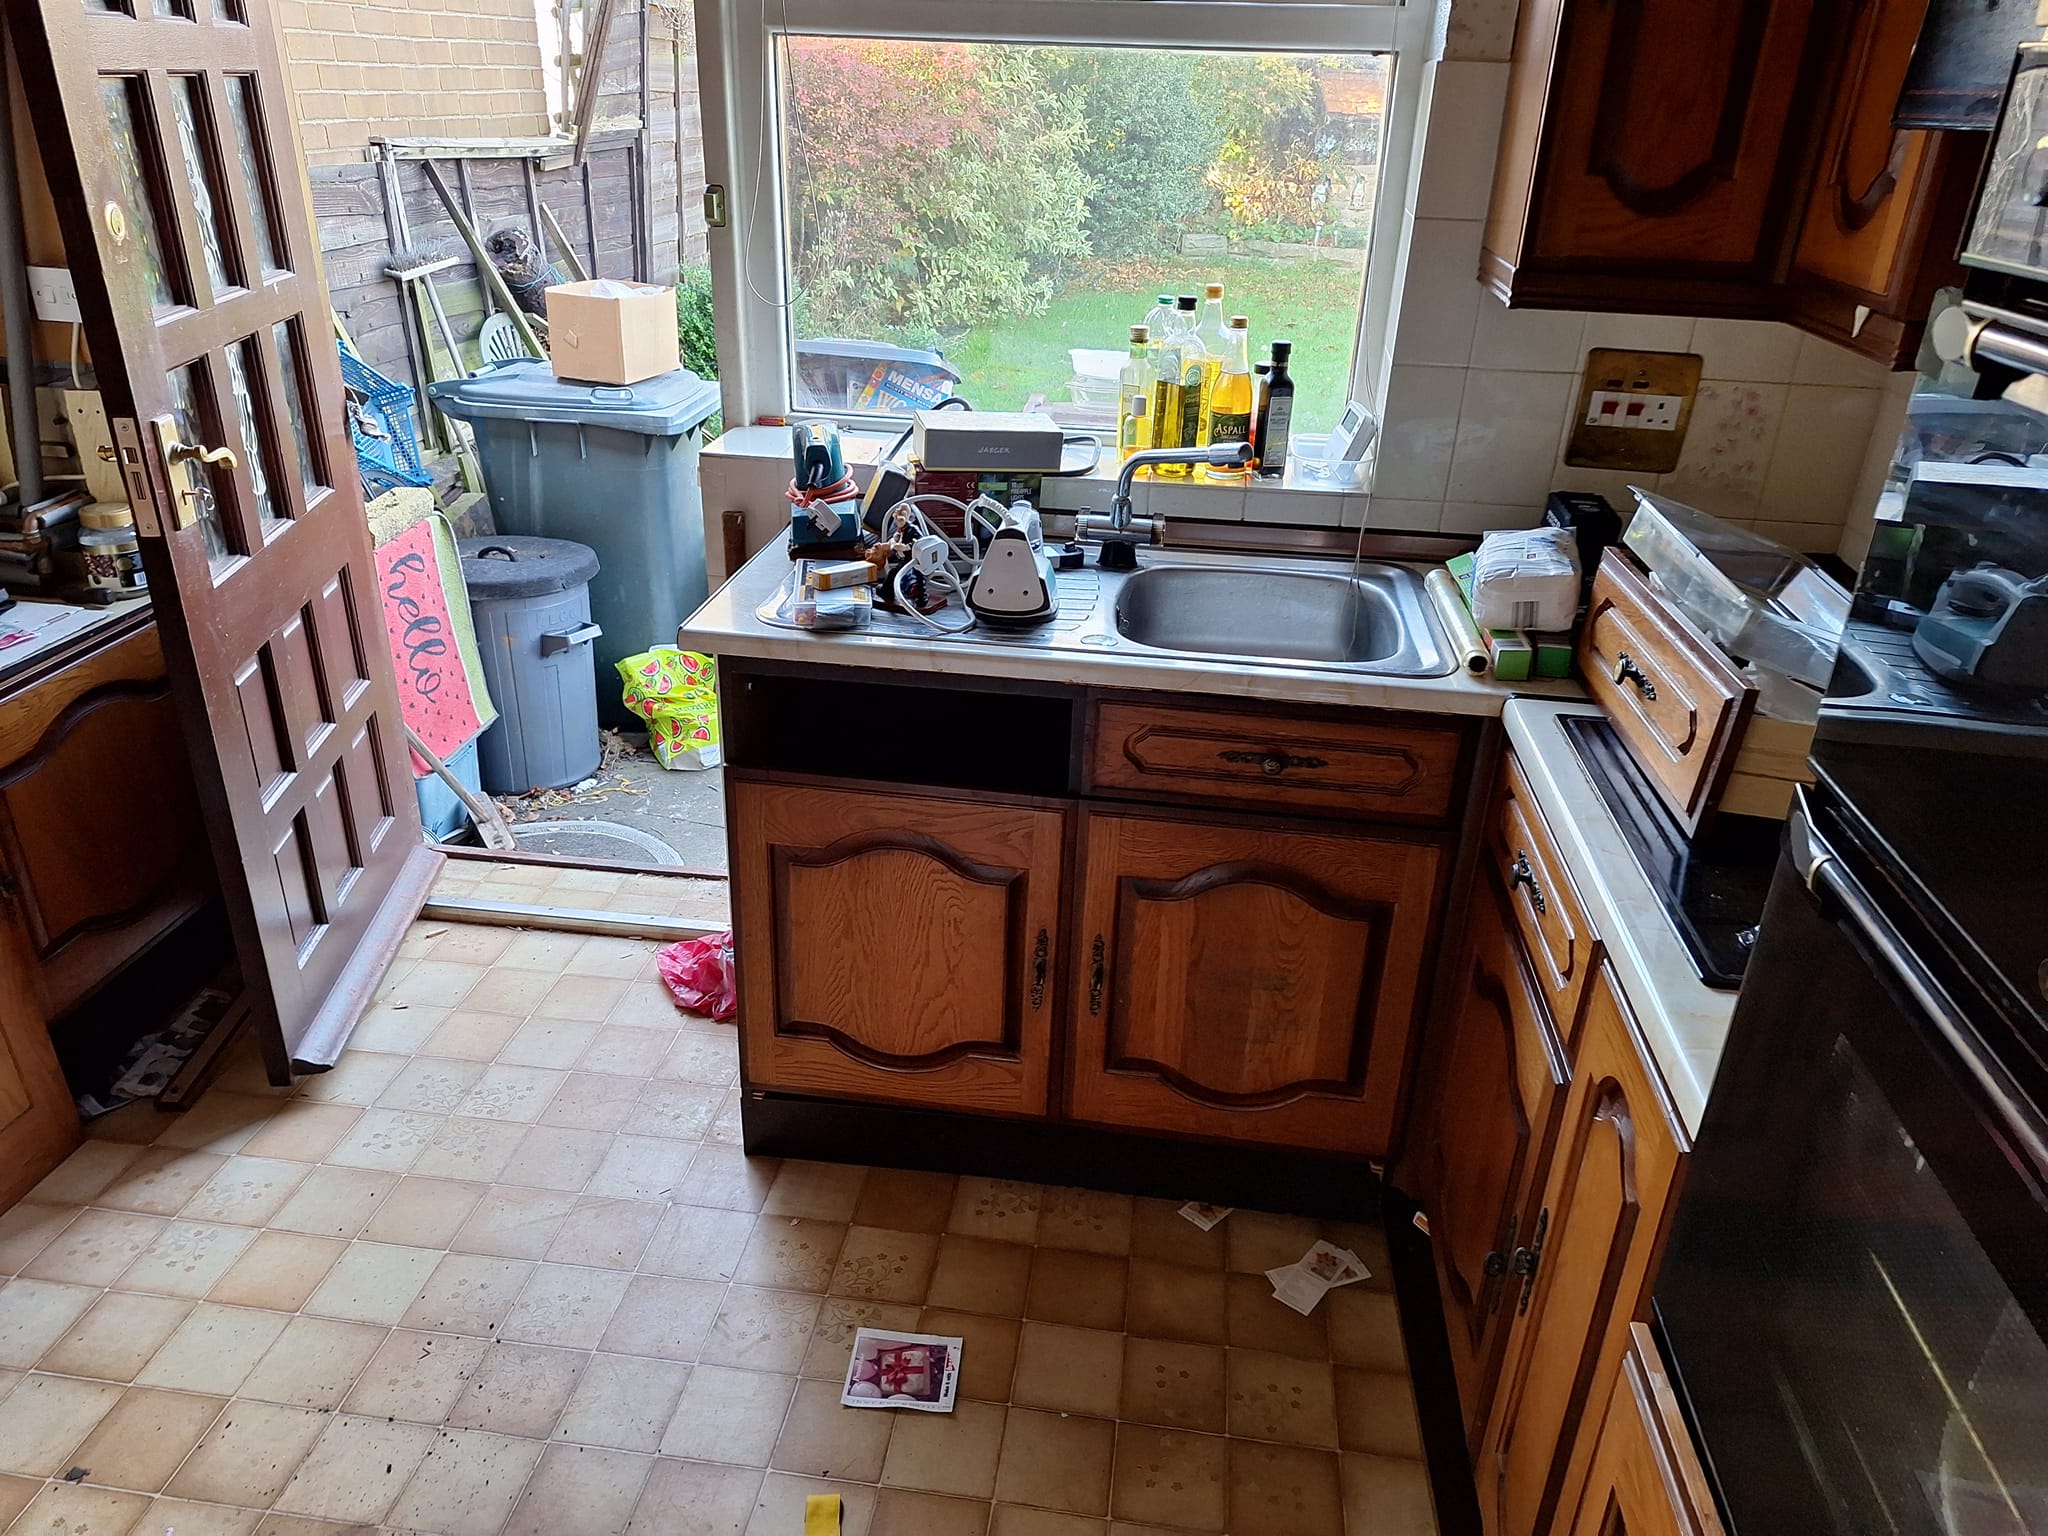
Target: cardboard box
609, 332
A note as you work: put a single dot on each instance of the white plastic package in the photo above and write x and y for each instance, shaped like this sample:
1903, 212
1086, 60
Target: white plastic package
1526, 578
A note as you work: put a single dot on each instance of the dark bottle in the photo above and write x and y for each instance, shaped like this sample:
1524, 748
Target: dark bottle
1273, 427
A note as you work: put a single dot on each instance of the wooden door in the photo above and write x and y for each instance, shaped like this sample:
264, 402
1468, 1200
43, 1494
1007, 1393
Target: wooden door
38, 1122
1582, 1273
897, 947
173, 158
1246, 983
1497, 1067
1646, 1478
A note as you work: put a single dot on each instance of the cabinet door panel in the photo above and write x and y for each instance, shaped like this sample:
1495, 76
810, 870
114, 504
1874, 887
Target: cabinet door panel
1612, 1175
895, 946
1646, 1478
1247, 983
38, 1123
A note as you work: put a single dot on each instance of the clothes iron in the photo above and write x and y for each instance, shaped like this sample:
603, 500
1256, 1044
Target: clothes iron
1988, 625
1013, 586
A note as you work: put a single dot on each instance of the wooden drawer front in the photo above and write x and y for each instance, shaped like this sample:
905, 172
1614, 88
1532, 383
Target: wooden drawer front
1393, 772
1677, 701
1547, 911
896, 947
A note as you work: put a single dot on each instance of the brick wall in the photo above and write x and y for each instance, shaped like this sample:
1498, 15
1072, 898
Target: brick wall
411, 68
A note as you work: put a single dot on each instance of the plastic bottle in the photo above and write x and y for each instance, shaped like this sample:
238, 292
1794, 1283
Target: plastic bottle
1134, 383
1156, 318
1209, 331
1230, 400
1273, 428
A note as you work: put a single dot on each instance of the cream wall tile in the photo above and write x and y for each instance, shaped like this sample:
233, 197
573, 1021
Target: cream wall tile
1759, 350
1822, 439
1299, 509
1390, 512
1822, 362
1440, 294
1528, 340
1639, 333
1419, 432
1507, 436
1195, 499
1485, 517
1461, 139
1728, 448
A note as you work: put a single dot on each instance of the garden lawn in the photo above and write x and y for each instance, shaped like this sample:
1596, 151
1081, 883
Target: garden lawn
1312, 304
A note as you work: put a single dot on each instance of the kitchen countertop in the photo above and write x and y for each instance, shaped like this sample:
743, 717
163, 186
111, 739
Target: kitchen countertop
1684, 1021
729, 625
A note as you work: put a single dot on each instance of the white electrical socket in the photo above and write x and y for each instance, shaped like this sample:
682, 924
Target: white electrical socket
55, 299
1632, 412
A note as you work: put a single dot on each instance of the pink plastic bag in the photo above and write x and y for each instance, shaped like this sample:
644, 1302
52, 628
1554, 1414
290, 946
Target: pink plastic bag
700, 975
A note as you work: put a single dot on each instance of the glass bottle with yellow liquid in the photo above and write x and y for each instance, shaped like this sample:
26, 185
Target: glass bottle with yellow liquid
1177, 388
1230, 401
1209, 331
1134, 395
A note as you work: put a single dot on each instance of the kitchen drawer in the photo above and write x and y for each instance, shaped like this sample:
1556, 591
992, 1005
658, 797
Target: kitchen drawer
1271, 762
1678, 703
1548, 913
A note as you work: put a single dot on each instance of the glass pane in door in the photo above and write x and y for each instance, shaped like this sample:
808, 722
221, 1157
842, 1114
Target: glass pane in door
246, 114
291, 388
140, 166
202, 173
244, 366
192, 483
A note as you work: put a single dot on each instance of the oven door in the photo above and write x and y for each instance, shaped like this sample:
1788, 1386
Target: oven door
1855, 1297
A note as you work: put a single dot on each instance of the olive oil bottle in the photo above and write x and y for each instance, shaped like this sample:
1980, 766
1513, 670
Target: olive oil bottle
1177, 369
1230, 400
1273, 427
1209, 331
1134, 391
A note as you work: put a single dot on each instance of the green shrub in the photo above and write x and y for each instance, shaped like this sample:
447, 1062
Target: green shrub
697, 331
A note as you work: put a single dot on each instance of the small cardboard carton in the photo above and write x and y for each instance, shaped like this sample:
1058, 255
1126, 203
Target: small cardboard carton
609, 332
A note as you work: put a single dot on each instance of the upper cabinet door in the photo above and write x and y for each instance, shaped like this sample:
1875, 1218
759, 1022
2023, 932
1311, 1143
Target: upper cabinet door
1247, 983
897, 947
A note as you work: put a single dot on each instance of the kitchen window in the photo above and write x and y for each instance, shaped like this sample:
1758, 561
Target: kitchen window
933, 196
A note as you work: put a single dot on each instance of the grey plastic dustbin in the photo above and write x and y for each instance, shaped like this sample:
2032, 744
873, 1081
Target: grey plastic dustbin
614, 468
531, 601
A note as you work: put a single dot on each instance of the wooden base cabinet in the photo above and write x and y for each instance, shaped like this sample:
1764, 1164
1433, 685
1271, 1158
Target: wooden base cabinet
1646, 1478
896, 946
1244, 982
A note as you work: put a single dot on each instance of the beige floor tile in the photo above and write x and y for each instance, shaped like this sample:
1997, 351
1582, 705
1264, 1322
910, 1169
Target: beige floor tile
187, 1259
1386, 1496
976, 1274
1365, 1330
623, 1402
1085, 1219
728, 1415
137, 1123
611, 1234
246, 1190
1000, 1209
1257, 1321
356, 1470
438, 984
839, 1318
695, 1498
358, 1078
823, 1438
1259, 1240
431, 1085
988, 1350
928, 1514
727, 1178
27, 1229
509, 1093
88, 1170
663, 1317
581, 1488
116, 1338
1286, 1488
1168, 1477
417, 1376
214, 1349
468, 1293
642, 1168
1074, 1370
567, 1305
584, 999
1180, 1386
65, 1508
705, 1056
953, 1453
34, 1314
335, 1202
881, 1265
614, 958
467, 1483
468, 1148
593, 1101
373, 1283
1083, 1289
424, 1213
678, 1111
469, 1034
219, 1122
159, 1182
146, 1437
556, 1157
1019, 1520
280, 1270
548, 1043
1057, 1461
905, 1200
313, 1363
191, 1519
537, 951
472, 943
303, 1131
1160, 1233
513, 1223
728, 1130
648, 1005
510, 991
1173, 1301
695, 1242
1376, 1413
44, 1418
761, 1330
399, 1028
520, 1389
780, 1506
94, 1249
821, 1191
1281, 1397
249, 1455
386, 1140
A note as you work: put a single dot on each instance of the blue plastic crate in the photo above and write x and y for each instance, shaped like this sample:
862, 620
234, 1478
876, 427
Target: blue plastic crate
382, 428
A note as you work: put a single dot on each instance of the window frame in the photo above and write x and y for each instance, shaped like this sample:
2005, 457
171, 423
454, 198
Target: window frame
741, 111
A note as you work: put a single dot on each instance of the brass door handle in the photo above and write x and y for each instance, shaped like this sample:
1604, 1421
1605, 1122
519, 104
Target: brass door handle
186, 453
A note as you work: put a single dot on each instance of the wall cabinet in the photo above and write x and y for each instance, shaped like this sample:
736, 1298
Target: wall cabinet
1646, 1479
1244, 981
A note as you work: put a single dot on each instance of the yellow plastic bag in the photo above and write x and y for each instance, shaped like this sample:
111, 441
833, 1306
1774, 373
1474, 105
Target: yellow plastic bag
676, 693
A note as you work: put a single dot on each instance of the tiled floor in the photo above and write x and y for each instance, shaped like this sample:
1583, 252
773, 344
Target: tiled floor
649, 895
505, 1268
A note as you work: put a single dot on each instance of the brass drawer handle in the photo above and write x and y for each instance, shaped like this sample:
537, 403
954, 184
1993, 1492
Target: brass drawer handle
1273, 764
1626, 671
1521, 873
1095, 977
1038, 952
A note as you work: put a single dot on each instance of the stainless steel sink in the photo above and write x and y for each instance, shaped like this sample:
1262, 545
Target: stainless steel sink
1377, 621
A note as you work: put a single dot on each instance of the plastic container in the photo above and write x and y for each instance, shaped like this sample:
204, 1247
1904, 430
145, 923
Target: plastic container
530, 599
611, 467
442, 812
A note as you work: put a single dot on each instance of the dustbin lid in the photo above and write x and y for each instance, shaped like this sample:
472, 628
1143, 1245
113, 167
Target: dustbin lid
503, 566
526, 389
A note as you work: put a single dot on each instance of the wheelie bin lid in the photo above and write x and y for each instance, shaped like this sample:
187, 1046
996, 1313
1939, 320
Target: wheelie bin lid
498, 566
526, 389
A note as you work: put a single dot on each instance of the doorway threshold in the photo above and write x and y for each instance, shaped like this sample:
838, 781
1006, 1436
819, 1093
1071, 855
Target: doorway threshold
507, 890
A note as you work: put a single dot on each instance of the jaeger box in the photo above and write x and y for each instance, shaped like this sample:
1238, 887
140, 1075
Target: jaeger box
609, 332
